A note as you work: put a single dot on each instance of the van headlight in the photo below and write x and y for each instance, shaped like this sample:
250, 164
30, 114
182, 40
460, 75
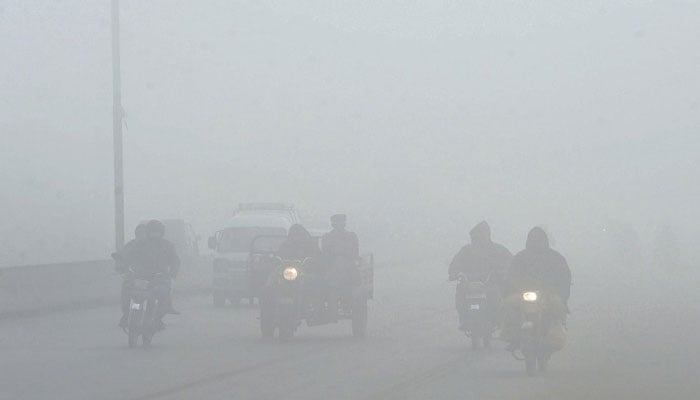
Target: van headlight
530, 296
290, 273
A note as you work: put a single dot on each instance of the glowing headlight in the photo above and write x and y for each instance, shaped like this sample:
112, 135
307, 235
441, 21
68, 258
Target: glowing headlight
290, 273
530, 296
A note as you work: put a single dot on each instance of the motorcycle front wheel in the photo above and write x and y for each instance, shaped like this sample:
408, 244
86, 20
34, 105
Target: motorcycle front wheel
133, 330
530, 352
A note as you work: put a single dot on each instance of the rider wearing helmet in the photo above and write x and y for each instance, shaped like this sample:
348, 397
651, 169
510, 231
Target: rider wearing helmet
154, 256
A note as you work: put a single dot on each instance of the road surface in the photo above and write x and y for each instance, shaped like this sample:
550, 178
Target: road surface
636, 344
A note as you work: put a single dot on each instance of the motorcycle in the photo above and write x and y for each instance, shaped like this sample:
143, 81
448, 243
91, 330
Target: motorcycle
295, 293
541, 332
475, 320
281, 301
143, 307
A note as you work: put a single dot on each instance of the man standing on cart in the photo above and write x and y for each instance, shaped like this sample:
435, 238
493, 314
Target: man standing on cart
341, 252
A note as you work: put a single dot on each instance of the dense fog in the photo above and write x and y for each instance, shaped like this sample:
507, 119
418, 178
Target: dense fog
418, 119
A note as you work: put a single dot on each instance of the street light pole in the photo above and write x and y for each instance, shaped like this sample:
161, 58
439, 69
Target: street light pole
117, 130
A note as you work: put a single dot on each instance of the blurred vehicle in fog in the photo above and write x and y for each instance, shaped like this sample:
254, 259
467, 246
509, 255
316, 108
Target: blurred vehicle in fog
296, 291
233, 278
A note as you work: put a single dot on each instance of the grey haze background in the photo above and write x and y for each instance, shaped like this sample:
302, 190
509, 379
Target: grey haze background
417, 118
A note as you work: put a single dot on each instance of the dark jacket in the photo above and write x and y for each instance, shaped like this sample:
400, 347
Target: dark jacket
540, 266
299, 245
121, 265
481, 257
150, 256
340, 243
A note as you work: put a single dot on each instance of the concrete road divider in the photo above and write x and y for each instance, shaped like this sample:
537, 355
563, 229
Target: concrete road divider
38, 289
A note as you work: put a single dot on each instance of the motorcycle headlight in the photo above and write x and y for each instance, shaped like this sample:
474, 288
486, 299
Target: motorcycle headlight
530, 296
290, 273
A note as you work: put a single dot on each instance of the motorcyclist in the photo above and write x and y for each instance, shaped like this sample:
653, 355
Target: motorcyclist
340, 250
154, 255
481, 260
298, 245
121, 267
540, 265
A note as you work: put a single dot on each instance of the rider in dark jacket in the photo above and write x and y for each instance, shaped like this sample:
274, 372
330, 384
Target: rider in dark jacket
481, 260
340, 243
540, 263
149, 257
482, 257
121, 267
541, 268
340, 251
299, 245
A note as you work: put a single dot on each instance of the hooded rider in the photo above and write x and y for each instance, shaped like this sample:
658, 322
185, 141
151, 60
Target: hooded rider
481, 260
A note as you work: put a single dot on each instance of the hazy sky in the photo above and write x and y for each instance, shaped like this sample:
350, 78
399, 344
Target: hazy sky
418, 118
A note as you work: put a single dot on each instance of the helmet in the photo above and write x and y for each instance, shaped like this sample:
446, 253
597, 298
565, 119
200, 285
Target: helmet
155, 227
140, 231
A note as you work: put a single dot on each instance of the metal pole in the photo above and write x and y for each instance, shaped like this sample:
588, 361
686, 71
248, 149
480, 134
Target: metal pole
117, 129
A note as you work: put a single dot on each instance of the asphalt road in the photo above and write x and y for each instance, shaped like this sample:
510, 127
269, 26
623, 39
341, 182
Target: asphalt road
639, 343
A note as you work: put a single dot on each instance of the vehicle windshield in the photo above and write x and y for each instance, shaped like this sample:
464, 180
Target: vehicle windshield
267, 244
238, 240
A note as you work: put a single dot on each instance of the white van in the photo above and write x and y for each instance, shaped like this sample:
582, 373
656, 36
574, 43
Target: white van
232, 277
